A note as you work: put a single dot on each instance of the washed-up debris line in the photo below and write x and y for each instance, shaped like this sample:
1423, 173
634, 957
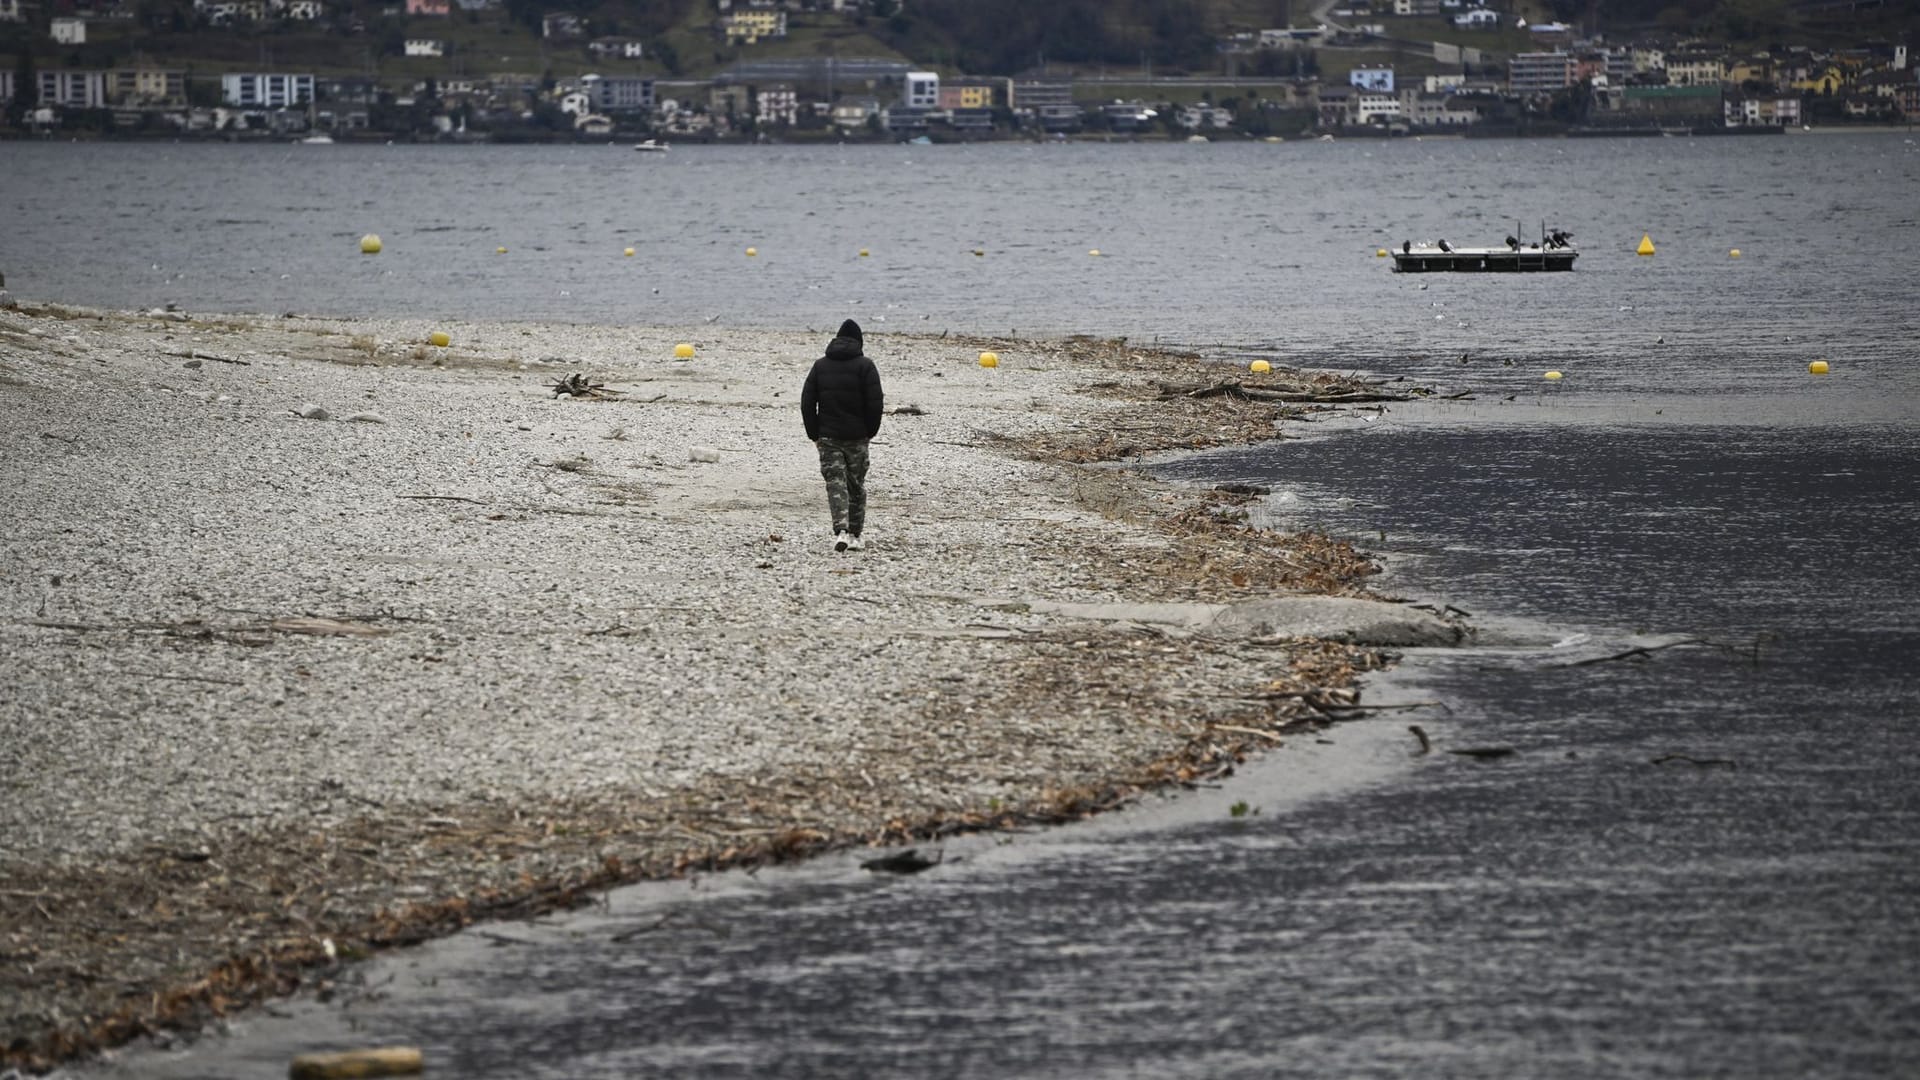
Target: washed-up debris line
1179, 401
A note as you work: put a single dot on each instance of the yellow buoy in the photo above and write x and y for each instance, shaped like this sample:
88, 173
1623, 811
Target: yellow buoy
499, 251
751, 252
1093, 251
863, 253
683, 351
1380, 254
1646, 244
370, 244
1818, 367
439, 339
1734, 254
1553, 376
628, 253
988, 359
1259, 367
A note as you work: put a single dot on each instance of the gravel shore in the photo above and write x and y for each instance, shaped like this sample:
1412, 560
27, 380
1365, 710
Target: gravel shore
278, 689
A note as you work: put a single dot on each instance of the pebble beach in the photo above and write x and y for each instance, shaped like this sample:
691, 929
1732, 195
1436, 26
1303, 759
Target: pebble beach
319, 637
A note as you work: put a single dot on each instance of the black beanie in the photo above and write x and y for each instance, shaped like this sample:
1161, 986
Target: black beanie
851, 329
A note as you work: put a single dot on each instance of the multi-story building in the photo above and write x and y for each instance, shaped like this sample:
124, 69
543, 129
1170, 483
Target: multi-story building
1428, 110
71, 89
69, 31
618, 93
1375, 107
967, 94
13, 11
748, 27
350, 90
134, 87
1047, 100
776, 104
1336, 106
1364, 78
1763, 111
1695, 69
921, 90
1540, 73
269, 91
1042, 92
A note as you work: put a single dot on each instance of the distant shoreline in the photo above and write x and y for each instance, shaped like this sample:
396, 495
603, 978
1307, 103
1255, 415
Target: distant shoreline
171, 138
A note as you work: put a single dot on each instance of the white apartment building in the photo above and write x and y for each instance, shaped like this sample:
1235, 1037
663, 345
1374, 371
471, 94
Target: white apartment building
266, 91
922, 90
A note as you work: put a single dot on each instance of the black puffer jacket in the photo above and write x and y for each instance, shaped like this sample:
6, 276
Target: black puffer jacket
842, 398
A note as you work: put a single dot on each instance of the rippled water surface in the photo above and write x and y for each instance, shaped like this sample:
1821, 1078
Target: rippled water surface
1214, 243
1592, 905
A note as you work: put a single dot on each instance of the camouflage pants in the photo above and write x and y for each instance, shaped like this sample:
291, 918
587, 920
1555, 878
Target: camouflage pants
843, 464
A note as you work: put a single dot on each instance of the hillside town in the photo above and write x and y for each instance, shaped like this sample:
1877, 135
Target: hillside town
1364, 70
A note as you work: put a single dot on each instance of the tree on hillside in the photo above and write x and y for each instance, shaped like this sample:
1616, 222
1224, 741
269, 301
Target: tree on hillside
655, 17
1007, 36
1180, 37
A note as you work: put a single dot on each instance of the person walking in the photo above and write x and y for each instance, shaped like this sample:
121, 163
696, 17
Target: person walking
841, 405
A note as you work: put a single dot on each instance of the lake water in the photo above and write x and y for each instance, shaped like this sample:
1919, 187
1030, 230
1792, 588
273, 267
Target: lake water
1572, 910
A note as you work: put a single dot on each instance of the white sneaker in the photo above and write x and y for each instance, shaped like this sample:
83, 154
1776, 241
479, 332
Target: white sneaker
841, 540
854, 544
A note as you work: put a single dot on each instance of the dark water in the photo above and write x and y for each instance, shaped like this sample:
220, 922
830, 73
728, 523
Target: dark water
1573, 910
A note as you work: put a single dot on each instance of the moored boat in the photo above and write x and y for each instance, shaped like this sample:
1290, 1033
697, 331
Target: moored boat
1554, 252
650, 147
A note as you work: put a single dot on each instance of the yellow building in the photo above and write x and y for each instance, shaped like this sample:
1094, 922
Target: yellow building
1753, 70
1825, 79
748, 27
146, 86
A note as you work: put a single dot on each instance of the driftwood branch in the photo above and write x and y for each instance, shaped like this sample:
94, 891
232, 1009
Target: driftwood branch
1639, 653
1293, 395
196, 354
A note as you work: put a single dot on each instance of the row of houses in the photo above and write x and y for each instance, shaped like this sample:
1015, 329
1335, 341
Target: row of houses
1802, 71
893, 97
155, 88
